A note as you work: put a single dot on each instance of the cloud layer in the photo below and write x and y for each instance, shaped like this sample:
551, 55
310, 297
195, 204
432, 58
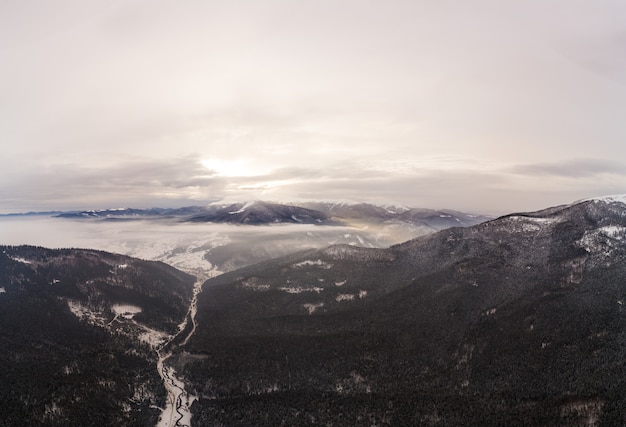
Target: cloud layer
490, 106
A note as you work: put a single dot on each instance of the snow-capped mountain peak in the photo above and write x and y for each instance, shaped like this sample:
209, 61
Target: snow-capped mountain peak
616, 198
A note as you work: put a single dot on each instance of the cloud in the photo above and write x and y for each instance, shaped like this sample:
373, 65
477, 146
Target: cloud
409, 102
441, 183
575, 168
138, 183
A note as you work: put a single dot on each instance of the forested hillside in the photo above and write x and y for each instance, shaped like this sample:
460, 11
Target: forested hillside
78, 330
517, 321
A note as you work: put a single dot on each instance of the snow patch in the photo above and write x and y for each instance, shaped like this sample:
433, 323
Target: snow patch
603, 240
20, 259
530, 224
126, 311
617, 198
299, 289
243, 209
3, 291
340, 283
345, 297
152, 337
85, 313
312, 307
253, 285
614, 231
122, 266
318, 262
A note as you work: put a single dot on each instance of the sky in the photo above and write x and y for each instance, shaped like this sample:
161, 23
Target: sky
488, 106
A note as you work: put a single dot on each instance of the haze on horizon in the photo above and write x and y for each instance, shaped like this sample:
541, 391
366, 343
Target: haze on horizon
484, 106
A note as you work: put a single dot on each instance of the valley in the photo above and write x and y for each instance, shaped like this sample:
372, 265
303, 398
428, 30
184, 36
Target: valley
517, 320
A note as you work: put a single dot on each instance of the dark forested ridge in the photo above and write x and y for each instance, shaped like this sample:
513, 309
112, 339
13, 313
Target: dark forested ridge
74, 336
516, 321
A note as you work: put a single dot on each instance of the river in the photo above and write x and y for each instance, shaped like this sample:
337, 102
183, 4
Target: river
177, 411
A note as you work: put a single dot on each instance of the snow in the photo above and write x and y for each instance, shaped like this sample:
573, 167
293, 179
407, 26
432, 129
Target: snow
177, 411
299, 289
22, 260
614, 231
603, 240
536, 220
318, 262
253, 285
243, 209
85, 313
531, 224
617, 198
126, 311
345, 297
122, 266
340, 283
312, 307
3, 291
153, 337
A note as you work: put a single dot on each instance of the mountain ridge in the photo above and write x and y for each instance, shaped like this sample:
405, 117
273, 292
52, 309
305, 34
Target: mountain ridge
482, 325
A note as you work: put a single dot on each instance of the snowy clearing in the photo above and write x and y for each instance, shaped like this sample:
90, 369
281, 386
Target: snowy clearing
126, 311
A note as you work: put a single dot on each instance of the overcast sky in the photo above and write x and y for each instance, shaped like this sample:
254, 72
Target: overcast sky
486, 106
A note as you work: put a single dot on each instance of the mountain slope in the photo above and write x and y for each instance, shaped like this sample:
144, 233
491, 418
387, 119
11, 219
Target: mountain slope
261, 213
515, 321
78, 330
423, 220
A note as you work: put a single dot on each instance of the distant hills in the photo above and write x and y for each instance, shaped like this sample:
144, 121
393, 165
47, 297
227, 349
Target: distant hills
320, 213
515, 321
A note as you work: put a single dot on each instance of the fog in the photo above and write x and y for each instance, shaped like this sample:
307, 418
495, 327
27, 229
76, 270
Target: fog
199, 248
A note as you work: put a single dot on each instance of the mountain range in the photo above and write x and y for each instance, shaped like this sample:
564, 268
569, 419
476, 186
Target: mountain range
517, 320
320, 213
